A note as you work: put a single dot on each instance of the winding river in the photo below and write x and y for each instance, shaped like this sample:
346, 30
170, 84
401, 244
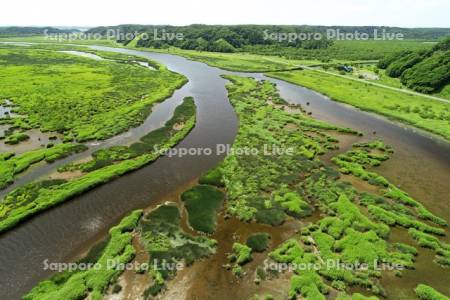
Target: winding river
421, 166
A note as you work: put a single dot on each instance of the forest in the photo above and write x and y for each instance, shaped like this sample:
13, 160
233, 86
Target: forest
425, 71
253, 38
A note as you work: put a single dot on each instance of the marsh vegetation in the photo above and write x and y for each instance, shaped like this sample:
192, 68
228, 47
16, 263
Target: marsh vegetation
104, 166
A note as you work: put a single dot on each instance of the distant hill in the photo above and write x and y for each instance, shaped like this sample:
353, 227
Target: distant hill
29, 31
204, 36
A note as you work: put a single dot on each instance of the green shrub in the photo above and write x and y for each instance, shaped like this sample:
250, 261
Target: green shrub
401, 64
242, 253
16, 138
258, 241
425, 292
430, 75
271, 216
212, 177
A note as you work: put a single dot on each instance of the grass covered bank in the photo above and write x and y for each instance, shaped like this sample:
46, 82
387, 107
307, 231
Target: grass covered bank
430, 115
159, 235
34, 197
11, 165
93, 282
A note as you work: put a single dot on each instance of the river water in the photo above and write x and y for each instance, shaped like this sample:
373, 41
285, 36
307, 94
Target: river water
421, 165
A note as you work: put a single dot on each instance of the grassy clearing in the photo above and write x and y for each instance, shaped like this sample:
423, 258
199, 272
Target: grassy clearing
35, 197
344, 50
420, 112
202, 203
79, 97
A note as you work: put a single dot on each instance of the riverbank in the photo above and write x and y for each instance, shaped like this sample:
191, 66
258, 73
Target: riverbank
114, 162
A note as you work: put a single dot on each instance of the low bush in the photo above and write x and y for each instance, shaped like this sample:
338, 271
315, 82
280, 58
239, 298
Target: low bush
212, 177
425, 292
259, 241
16, 138
242, 254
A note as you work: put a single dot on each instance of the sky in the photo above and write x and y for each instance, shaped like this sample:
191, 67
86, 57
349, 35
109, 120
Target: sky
401, 13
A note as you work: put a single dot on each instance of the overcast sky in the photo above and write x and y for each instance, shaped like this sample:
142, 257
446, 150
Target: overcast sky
404, 13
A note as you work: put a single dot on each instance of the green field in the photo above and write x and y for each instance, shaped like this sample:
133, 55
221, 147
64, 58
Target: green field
427, 114
81, 98
344, 50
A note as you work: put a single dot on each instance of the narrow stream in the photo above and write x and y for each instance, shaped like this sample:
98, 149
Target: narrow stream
421, 166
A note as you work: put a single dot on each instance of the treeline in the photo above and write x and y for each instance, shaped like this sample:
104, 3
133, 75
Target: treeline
29, 31
423, 71
257, 38
216, 38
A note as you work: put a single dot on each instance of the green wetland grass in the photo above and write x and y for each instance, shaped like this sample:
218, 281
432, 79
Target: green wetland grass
425, 292
161, 237
202, 203
11, 164
79, 284
81, 98
34, 197
353, 228
346, 231
166, 243
259, 241
16, 138
427, 114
